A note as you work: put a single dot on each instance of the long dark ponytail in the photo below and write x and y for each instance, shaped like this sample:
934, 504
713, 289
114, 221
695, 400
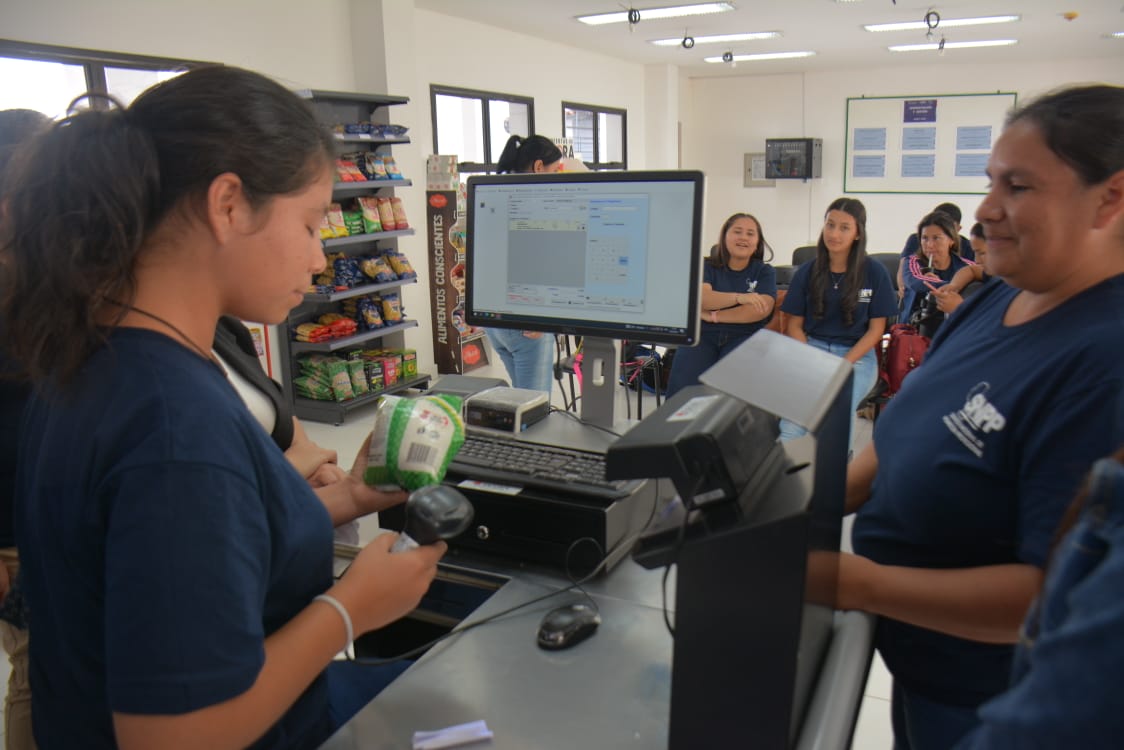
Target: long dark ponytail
855, 276
96, 184
520, 154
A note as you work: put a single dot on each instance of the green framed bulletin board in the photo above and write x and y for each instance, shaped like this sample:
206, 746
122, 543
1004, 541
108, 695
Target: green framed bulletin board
922, 144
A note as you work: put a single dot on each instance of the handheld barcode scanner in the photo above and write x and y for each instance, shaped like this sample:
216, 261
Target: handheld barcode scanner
433, 512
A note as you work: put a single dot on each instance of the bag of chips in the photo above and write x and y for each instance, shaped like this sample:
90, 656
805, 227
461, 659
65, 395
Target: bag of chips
413, 440
401, 265
369, 210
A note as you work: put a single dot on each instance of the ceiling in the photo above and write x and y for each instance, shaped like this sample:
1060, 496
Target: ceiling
832, 29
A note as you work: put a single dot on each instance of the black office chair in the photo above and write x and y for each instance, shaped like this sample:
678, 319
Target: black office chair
890, 262
802, 255
784, 275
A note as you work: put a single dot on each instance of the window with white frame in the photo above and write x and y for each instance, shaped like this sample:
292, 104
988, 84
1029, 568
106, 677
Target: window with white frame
600, 134
475, 125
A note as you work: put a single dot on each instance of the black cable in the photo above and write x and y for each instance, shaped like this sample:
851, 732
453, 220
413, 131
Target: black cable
579, 420
574, 583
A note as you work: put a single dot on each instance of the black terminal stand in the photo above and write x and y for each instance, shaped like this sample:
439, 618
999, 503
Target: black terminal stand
754, 614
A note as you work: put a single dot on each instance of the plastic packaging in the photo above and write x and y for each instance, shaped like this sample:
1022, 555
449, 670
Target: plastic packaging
413, 440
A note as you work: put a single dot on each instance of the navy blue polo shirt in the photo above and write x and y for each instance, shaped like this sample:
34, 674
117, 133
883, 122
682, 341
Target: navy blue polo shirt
163, 537
877, 299
978, 456
756, 278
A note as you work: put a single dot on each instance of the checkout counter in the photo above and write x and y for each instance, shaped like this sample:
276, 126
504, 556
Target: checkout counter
756, 661
612, 690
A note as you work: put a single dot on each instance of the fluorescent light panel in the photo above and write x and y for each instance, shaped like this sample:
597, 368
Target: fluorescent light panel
952, 45
945, 23
748, 37
648, 14
1114, 35
762, 56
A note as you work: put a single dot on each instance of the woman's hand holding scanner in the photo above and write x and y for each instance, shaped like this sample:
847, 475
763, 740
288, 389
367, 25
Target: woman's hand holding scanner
433, 513
380, 587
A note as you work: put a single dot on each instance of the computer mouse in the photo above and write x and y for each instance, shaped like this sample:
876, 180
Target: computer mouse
567, 625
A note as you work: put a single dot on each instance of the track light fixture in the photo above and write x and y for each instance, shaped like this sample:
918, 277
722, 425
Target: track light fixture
688, 42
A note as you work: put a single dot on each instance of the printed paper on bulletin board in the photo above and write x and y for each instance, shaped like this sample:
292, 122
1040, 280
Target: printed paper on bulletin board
922, 144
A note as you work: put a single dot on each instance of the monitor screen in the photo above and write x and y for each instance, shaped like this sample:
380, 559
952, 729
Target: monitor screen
604, 254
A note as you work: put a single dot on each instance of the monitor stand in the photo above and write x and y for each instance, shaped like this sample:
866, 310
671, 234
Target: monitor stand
600, 371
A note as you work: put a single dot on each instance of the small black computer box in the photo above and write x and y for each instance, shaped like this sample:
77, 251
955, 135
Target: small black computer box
506, 409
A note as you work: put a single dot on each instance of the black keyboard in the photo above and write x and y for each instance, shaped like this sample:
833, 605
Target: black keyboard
564, 471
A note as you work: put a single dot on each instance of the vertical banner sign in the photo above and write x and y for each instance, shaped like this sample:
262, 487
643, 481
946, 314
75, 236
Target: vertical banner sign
456, 347
441, 214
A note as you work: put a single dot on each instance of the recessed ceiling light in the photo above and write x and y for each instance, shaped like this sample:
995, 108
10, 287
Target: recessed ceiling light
1117, 35
748, 37
945, 23
952, 45
762, 56
648, 14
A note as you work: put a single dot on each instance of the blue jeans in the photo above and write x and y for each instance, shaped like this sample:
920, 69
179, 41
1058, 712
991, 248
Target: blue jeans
351, 686
865, 372
1069, 662
529, 361
692, 361
922, 724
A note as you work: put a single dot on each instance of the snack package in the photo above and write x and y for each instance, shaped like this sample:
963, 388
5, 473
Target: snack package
310, 387
391, 308
413, 440
377, 268
391, 167
369, 314
353, 220
326, 231
369, 212
399, 213
335, 220
373, 368
375, 165
348, 171
341, 380
401, 266
346, 272
386, 215
358, 374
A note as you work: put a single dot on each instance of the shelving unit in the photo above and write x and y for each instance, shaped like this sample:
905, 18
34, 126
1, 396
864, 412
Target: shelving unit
334, 107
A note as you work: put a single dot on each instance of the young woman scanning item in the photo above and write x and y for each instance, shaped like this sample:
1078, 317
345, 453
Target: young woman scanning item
178, 567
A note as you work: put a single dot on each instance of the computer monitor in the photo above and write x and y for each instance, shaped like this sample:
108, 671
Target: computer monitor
603, 255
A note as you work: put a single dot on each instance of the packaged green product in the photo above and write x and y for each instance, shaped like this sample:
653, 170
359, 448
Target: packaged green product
341, 380
353, 220
312, 388
358, 375
413, 440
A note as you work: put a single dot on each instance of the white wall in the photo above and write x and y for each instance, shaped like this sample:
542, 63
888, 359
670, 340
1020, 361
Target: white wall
727, 117
302, 44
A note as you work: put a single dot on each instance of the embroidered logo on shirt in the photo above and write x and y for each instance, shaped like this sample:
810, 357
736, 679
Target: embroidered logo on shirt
976, 418
865, 295
751, 286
